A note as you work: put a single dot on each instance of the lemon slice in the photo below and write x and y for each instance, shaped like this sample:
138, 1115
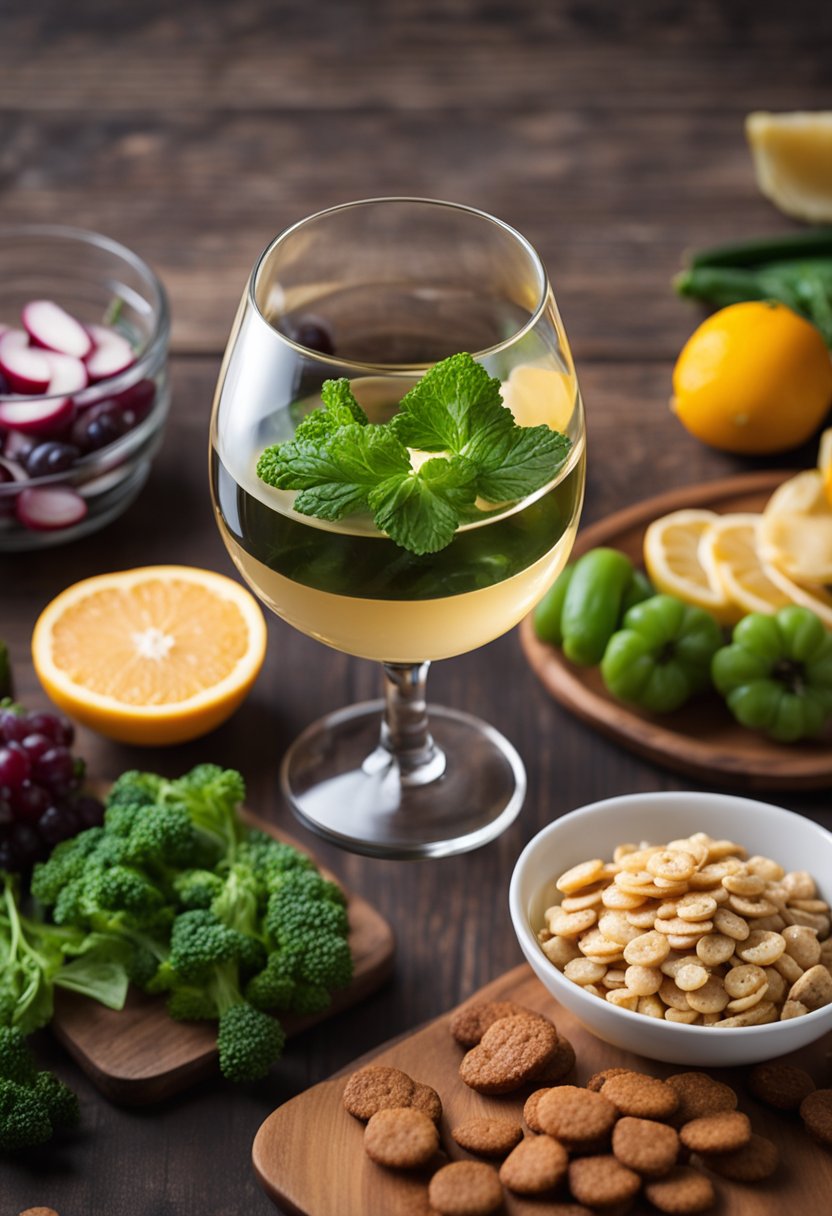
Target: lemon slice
817, 598
538, 395
796, 529
671, 555
792, 156
161, 654
729, 549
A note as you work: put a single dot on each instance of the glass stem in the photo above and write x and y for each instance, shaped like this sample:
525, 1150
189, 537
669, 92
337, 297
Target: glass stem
405, 730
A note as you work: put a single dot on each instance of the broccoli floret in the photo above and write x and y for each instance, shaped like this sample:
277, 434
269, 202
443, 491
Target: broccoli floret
273, 988
268, 858
119, 817
211, 795
123, 889
136, 789
308, 999
327, 961
199, 943
249, 1042
238, 902
186, 1004
161, 836
24, 1119
60, 1101
66, 862
16, 1060
197, 888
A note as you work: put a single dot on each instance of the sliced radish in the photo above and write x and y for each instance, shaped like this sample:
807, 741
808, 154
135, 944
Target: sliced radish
112, 354
37, 417
25, 369
46, 510
69, 375
51, 327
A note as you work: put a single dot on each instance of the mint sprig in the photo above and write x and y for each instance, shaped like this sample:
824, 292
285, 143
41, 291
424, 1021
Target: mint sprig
342, 464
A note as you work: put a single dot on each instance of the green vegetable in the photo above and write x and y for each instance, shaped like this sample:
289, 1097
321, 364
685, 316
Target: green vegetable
662, 656
639, 588
796, 270
6, 689
776, 675
592, 604
202, 910
548, 612
342, 464
33, 1104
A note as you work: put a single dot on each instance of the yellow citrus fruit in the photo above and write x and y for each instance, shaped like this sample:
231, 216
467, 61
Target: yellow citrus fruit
815, 597
792, 155
729, 548
753, 378
672, 558
538, 395
796, 529
157, 655
825, 463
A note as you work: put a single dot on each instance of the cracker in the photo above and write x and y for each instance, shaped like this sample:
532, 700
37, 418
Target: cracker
376, 1088
535, 1166
470, 1022
426, 1099
645, 1146
816, 1113
559, 1065
602, 1181
641, 1096
752, 1163
575, 1116
597, 1080
465, 1188
512, 1051
720, 1133
683, 1190
783, 1086
488, 1137
400, 1138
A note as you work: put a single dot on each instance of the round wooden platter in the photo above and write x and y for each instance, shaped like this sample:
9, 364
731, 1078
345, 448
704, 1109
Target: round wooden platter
701, 740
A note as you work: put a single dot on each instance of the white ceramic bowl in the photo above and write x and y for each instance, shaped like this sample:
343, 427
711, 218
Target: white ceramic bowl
594, 831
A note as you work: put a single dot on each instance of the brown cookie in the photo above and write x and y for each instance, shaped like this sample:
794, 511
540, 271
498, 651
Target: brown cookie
530, 1110
699, 1095
559, 1066
39, 1212
567, 1209
465, 1188
637, 1094
683, 1190
751, 1163
645, 1146
376, 1088
602, 1181
722, 1133
470, 1022
535, 1166
597, 1080
488, 1137
574, 1115
400, 1138
426, 1099
511, 1052
782, 1086
816, 1113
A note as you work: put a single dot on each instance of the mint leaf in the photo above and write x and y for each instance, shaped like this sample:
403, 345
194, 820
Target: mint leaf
335, 476
340, 402
420, 510
454, 402
526, 459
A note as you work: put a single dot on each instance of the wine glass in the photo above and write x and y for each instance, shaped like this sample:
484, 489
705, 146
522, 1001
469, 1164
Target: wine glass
378, 291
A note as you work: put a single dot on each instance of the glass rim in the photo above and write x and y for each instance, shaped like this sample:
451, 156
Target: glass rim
159, 303
335, 360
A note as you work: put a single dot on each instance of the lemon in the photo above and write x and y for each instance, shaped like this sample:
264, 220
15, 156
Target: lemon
817, 598
796, 529
672, 558
729, 548
792, 156
156, 655
753, 378
540, 395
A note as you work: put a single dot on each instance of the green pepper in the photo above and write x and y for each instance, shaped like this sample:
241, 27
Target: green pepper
662, 656
592, 604
548, 612
776, 675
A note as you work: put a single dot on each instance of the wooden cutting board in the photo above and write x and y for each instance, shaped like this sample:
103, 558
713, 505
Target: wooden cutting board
309, 1158
139, 1055
701, 739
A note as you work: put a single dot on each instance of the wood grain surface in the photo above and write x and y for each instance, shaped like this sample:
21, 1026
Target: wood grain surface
702, 739
611, 135
312, 1140
139, 1055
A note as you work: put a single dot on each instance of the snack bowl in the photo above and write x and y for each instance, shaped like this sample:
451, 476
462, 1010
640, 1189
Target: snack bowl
111, 295
594, 831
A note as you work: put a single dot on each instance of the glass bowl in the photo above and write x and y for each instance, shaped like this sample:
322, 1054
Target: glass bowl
97, 281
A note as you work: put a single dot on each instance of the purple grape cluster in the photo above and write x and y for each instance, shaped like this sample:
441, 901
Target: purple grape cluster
41, 802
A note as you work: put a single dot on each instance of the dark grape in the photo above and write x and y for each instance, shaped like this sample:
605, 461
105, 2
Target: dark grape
137, 401
58, 823
15, 766
314, 334
26, 844
50, 458
35, 745
13, 726
8, 860
54, 726
29, 801
89, 810
56, 769
99, 425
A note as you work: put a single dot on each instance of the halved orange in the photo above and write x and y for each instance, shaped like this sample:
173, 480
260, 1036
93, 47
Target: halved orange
157, 655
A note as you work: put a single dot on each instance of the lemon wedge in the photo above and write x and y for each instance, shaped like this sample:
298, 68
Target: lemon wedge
792, 155
672, 558
729, 548
796, 530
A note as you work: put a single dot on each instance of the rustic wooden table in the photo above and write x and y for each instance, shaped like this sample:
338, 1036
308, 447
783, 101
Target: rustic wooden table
612, 136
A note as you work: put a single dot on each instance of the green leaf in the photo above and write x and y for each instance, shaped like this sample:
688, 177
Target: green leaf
420, 510
340, 402
97, 976
454, 402
527, 458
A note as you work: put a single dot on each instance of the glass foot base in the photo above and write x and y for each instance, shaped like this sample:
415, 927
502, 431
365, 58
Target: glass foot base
341, 784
